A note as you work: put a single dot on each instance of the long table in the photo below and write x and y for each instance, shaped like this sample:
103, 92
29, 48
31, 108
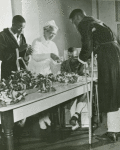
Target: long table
35, 103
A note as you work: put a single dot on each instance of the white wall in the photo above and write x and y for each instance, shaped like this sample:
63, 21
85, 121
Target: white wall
38, 12
106, 10
5, 14
107, 14
16, 7
30, 12
94, 9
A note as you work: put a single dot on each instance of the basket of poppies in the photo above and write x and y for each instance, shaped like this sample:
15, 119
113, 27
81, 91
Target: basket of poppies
9, 93
17, 86
45, 83
67, 77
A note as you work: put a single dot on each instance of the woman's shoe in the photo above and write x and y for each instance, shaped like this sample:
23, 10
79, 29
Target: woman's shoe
42, 123
47, 120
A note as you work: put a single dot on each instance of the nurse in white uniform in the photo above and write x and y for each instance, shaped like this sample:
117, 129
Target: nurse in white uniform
40, 61
45, 56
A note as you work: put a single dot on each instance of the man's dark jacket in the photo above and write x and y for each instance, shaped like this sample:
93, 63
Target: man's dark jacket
8, 46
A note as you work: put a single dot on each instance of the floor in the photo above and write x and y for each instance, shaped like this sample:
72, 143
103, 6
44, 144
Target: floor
31, 139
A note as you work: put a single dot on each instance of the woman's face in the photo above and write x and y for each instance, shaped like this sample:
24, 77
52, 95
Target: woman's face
49, 34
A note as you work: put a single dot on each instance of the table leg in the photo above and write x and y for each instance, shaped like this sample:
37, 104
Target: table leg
7, 126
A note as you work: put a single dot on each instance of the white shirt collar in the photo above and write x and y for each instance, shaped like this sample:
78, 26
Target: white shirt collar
15, 36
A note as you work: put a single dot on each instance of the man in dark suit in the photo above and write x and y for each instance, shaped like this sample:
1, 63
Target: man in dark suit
13, 45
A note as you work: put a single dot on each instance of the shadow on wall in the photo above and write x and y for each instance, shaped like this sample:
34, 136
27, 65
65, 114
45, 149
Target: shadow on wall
72, 35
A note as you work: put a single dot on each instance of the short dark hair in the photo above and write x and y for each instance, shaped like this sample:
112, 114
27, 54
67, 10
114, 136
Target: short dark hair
71, 49
75, 12
18, 19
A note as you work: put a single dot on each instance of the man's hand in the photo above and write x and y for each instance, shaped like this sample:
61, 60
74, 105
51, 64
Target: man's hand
23, 47
29, 50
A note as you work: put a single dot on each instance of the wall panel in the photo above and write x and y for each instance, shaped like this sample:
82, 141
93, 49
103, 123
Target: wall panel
5, 14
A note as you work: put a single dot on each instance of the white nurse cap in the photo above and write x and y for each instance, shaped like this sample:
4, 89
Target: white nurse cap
51, 24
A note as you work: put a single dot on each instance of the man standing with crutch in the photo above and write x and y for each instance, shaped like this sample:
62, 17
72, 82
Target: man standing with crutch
98, 38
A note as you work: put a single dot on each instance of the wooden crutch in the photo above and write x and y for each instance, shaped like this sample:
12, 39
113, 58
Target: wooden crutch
90, 99
0, 69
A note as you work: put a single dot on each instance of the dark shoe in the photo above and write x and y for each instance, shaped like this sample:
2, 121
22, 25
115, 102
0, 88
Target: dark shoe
108, 136
95, 125
74, 119
114, 137
76, 126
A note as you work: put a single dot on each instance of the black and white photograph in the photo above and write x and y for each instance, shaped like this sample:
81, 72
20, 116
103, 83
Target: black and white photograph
59, 74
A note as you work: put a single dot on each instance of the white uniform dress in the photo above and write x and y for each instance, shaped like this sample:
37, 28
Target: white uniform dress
40, 49
38, 65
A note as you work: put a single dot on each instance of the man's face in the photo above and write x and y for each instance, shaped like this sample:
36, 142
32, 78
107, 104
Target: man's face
73, 55
19, 27
49, 35
70, 54
76, 20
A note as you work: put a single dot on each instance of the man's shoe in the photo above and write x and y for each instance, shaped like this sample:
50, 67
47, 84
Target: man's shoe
74, 119
108, 136
94, 125
75, 127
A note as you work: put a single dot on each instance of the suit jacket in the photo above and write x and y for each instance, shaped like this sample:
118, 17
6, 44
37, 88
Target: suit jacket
8, 45
78, 68
93, 32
